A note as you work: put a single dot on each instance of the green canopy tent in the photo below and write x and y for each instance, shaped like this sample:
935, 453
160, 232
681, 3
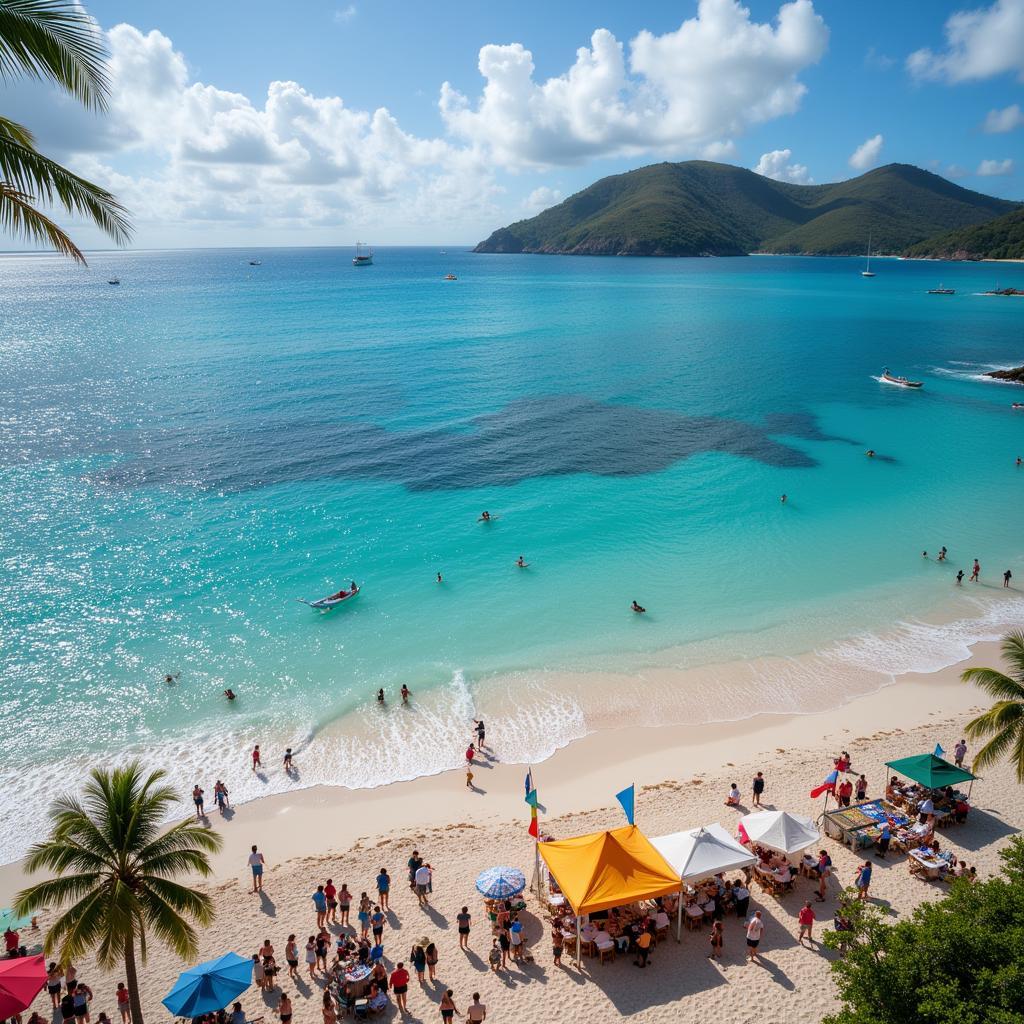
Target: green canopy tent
931, 771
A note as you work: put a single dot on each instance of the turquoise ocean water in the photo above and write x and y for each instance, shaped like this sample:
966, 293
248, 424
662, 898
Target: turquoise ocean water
184, 455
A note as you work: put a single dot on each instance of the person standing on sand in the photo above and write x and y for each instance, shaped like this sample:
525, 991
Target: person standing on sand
400, 985
863, 880
717, 938
291, 956
975, 572
476, 1012
844, 793
469, 776
383, 888
755, 929
220, 795
806, 919
422, 884
415, 862
256, 863
448, 1008
344, 904
332, 901
464, 919
557, 943
320, 902
862, 789
284, 1009
197, 799
959, 753
256, 762
824, 871
758, 788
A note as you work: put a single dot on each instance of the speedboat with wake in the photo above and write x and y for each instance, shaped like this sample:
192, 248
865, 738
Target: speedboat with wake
891, 378
326, 603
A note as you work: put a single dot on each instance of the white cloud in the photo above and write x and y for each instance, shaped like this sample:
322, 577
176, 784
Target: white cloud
541, 198
721, 149
979, 44
994, 168
867, 153
776, 164
1005, 120
718, 73
345, 14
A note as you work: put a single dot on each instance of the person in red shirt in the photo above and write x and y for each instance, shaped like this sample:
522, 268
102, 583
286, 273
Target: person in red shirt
400, 985
470, 754
12, 940
806, 919
332, 901
256, 762
845, 790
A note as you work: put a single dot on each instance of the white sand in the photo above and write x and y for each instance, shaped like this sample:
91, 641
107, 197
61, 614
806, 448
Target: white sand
682, 775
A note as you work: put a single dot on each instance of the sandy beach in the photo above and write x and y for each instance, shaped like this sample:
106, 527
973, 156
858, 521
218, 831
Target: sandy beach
682, 775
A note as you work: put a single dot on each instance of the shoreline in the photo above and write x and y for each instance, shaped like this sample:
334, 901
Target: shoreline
599, 764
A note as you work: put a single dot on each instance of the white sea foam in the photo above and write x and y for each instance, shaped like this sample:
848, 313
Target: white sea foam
529, 716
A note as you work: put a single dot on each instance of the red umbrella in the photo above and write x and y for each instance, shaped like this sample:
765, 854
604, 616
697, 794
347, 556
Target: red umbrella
20, 982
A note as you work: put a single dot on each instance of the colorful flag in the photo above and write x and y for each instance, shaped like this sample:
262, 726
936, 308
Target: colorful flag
742, 833
533, 824
938, 750
531, 798
628, 800
829, 785
529, 780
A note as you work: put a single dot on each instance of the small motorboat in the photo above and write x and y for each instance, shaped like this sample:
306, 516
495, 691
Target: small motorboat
450, 277
941, 291
255, 263
1017, 405
326, 603
114, 280
891, 378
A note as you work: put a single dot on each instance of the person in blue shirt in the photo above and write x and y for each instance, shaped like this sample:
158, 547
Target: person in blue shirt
883, 840
320, 902
863, 880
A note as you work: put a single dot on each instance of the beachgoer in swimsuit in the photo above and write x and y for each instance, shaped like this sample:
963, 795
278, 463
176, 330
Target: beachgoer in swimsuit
406, 694
638, 608
380, 696
960, 578
975, 572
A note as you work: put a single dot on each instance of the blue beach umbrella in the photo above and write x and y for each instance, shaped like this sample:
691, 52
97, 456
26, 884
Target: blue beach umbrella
500, 883
210, 986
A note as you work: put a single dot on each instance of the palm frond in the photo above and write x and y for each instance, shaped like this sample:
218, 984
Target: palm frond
1013, 651
30, 173
169, 926
20, 218
12, 130
54, 892
54, 40
996, 684
187, 840
79, 928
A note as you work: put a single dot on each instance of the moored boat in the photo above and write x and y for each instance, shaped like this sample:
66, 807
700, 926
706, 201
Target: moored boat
891, 378
363, 256
941, 291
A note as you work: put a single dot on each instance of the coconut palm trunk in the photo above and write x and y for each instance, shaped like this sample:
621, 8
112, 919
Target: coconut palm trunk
131, 981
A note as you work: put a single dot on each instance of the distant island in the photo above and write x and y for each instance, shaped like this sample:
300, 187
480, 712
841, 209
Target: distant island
999, 239
1016, 376
699, 208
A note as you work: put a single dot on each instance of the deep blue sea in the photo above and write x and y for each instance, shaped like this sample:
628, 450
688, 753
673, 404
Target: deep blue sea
186, 454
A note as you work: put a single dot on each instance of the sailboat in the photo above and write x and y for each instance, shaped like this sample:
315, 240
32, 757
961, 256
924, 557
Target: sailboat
363, 256
867, 271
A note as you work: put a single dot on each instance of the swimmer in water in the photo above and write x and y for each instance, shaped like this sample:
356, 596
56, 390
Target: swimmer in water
960, 578
870, 453
924, 554
942, 554
637, 608
521, 563
380, 696
485, 517
1020, 461
439, 580
406, 694
229, 693
171, 680
783, 499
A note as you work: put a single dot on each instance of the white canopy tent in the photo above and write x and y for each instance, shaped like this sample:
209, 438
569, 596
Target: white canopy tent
779, 830
698, 853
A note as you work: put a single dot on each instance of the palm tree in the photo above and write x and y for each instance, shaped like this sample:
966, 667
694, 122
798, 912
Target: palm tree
1004, 721
115, 867
56, 41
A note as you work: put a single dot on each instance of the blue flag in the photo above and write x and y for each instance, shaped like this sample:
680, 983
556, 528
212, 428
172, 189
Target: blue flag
529, 780
938, 750
628, 798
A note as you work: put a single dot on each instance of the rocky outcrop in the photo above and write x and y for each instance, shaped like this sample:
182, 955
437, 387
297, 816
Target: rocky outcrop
1017, 375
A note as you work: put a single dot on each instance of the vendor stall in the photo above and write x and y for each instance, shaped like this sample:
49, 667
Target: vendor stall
860, 826
607, 869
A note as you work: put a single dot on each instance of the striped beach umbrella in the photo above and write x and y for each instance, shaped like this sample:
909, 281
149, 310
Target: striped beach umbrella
500, 883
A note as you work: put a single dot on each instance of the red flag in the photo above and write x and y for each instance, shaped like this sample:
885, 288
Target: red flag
533, 827
742, 833
828, 786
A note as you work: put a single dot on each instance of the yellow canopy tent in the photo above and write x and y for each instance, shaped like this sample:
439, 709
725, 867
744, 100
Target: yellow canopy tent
608, 869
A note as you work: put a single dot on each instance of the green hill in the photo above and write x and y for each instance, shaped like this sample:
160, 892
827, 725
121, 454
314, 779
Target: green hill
999, 239
700, 208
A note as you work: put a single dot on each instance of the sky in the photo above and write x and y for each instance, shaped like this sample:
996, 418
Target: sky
403, 122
